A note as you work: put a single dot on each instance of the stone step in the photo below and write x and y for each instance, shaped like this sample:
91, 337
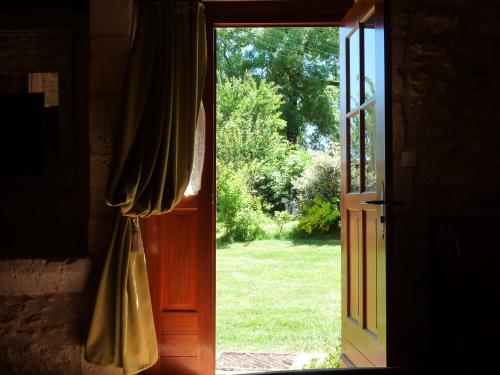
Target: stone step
233, 363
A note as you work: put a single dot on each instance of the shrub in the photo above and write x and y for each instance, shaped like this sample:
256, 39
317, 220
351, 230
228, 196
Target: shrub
320, 217
273, 178
237, 209
320, 179
281, 217
332, 360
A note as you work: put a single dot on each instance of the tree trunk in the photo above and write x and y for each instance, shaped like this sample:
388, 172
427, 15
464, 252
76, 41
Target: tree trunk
291, 135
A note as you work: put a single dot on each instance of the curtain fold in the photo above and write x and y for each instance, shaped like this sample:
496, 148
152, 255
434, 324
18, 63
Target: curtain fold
150, 170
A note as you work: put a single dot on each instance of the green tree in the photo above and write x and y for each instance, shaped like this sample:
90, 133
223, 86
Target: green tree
250, 139
249, 136
302, 62
249, 122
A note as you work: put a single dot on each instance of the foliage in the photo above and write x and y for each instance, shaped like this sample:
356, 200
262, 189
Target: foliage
237, 209
248, 122
272, 179
320, 217
332, 360
281, 217
301, 61
321, 179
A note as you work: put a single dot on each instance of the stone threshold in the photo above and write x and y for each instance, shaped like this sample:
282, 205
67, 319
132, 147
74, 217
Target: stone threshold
248, 363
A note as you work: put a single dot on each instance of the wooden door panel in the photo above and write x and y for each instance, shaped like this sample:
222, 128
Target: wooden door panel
179, 260
364, 342
179, 346
180, 365
354, 356
353, 286
172, 243
174, 322
370, 228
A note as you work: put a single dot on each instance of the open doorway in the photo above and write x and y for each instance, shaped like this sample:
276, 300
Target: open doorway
181, 245
278, 263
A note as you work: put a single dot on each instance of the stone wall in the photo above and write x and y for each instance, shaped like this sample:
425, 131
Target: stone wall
110, 27
445, 74
46, 305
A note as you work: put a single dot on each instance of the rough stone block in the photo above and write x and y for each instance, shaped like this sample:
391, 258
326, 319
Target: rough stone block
40, 359
42, 334
50, 318
398, 135
99, 170
108, 62
100, 230
34, 277
103, 114
110, 17
437, 25
98, 206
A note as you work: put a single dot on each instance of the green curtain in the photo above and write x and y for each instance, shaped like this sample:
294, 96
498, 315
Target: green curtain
151, 167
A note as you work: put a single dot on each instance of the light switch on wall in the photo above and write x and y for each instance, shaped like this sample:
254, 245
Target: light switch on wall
408, 159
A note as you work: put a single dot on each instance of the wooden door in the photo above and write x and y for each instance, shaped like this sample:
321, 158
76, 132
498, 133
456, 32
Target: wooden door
362, 192
178, 277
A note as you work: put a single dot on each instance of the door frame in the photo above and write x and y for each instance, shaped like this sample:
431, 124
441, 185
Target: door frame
254, 13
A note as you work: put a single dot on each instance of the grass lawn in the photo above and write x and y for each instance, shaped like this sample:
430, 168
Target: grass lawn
279, 296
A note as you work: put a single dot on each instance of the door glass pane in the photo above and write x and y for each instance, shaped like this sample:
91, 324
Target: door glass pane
354, 151
370, 134
354, 79
369, 58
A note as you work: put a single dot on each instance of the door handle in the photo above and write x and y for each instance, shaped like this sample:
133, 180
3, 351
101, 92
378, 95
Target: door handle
381, 202
378, 203
374, 202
